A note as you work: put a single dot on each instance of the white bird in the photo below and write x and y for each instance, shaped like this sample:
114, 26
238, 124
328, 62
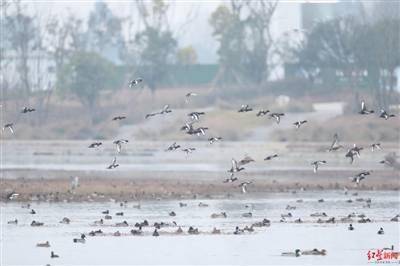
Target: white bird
364, 110
118, 144
317, 163
235, 167
10, 126
243, 186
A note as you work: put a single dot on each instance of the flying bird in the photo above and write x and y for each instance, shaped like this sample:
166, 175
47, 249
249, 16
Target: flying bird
198, 131
95, 145
173, 147
299, 123
375, 146
360, 176
113, 164
119, 143
364, 110
235, 167
10, 126
27, 110
270, 157
118, 118
135, 82
335, 144
195, 115
189, 95
230, 179
214, 139
316, 164
165, 110
276, 116
262, 112
243, 186
245, 108
188, 150
12, 195
246, 160
385, 115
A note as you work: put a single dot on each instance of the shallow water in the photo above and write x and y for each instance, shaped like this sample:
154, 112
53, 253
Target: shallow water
264, 246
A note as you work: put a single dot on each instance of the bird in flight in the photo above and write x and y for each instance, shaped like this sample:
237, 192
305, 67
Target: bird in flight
316, 164
113, 164
173, 147
262, 112
270, 157
246, 160
235, 167
375, 146
27, 110
335, 144
195, 115
276, 116
118, 143
360, 176
385, 115
189, 95
364, 110
214, 139
243, 186
95, 145
299, 123
245, 108
116, 118
188, 150
165, 110
10, 127
135, 82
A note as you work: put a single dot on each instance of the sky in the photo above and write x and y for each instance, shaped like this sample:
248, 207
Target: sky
198, 33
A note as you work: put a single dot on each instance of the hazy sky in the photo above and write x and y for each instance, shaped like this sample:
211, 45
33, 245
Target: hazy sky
198, 33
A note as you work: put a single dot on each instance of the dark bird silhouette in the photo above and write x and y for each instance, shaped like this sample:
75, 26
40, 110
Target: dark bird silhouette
270, 157
262, 112
214, 139
299, 123
113, 164
27, 110
165, 110
173, 147
245, 108
95, 145
116, 118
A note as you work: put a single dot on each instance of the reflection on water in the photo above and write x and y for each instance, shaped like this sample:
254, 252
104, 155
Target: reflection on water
264, 246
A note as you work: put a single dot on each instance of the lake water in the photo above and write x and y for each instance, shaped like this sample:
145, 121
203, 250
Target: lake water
264, 246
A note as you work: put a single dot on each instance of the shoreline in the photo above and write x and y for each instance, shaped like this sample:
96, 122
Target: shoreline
102, 189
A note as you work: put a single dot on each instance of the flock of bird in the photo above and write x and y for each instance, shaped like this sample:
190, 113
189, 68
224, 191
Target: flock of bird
236, 166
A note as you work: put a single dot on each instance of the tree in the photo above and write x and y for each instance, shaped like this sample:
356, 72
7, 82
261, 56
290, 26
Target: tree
246, 45
104, 32
20, 31
85, 75
156, 43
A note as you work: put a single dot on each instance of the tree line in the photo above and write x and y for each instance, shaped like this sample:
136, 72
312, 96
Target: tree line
357, 51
